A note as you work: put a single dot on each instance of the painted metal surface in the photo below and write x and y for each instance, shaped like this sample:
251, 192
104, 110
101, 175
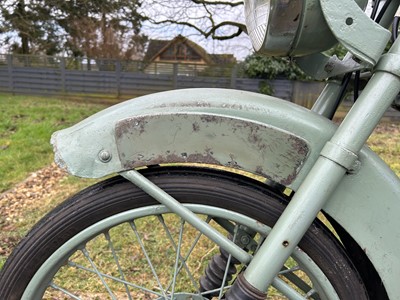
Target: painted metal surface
44, 275
291, 226
262, 147
320, 66
337, 158
241, 139
161, 196
366, 204
324, 105
355, 30
289, 28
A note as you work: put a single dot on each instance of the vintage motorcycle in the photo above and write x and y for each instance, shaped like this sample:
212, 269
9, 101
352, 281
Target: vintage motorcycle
226, 194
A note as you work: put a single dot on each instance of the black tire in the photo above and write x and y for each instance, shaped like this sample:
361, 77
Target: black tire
199, 186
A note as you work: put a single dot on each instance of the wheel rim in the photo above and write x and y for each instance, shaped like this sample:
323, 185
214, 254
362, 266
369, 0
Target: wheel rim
314, 286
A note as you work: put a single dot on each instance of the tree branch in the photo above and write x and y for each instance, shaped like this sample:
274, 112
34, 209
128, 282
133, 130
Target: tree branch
228, 3
209, 33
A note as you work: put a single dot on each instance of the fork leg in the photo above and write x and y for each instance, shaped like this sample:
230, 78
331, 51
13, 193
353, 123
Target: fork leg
338, 157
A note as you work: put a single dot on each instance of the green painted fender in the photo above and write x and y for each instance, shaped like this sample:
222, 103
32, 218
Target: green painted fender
246, 131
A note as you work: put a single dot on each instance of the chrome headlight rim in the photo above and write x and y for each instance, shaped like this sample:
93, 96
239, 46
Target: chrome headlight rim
289, 27
267, 24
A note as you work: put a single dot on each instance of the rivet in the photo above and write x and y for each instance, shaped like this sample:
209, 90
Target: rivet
245, 240
285, 244
349, 21
105, 156
329, 67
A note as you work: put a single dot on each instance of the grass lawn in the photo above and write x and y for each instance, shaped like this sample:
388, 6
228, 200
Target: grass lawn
26, 124
385, 141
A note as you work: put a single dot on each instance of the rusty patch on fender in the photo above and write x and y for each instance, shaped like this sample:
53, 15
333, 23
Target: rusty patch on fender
211, 139
169, 158
125, 126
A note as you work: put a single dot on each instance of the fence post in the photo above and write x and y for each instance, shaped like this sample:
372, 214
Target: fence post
62, 73
234, 76
118, 77
175, 76
10, 73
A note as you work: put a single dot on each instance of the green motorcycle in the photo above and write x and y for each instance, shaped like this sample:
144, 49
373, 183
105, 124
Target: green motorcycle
224, 194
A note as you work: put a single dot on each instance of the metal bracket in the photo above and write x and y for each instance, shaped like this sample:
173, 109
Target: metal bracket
355, 30
390, 63
321, 66
343, 157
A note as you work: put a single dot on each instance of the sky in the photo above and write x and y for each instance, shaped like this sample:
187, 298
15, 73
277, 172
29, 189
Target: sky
240, 47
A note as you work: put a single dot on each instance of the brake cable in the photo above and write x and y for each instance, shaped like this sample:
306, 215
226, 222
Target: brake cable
395, 28
383, 10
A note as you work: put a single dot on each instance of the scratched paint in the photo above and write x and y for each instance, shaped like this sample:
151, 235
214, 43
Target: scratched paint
198, 138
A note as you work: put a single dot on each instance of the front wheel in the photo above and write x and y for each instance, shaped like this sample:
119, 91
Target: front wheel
113, 241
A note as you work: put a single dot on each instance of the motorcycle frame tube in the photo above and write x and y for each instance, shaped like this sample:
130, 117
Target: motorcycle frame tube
387, 18
173, 205
326, 104
150, 188
325, 176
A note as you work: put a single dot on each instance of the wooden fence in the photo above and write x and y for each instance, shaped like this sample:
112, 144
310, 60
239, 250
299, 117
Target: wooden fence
58, 76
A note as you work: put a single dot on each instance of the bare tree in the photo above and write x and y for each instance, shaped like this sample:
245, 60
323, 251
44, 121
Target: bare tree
105, 28
219, 20
216, 25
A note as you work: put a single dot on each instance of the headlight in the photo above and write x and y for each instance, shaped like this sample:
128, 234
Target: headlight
288, 27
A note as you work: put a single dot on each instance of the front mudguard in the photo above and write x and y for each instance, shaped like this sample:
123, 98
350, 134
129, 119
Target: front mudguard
246, 131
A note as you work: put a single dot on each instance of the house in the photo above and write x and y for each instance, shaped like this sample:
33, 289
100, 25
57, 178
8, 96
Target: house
161, 55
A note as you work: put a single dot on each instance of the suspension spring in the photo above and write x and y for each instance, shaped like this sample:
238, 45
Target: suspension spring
215, 272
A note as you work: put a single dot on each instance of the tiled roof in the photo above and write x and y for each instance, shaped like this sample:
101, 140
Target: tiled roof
156, 47
223, 58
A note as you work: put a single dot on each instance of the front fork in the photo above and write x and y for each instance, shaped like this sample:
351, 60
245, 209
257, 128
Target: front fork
338, 157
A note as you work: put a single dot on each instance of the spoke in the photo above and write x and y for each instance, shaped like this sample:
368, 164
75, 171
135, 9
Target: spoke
227, 264
215, 290
178, 256
86, 254
133, 226
121, 273
312, 292
183, 260
291, 270
175, 206
296, 280
286, 289
57, 288
75, 265
196, 240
